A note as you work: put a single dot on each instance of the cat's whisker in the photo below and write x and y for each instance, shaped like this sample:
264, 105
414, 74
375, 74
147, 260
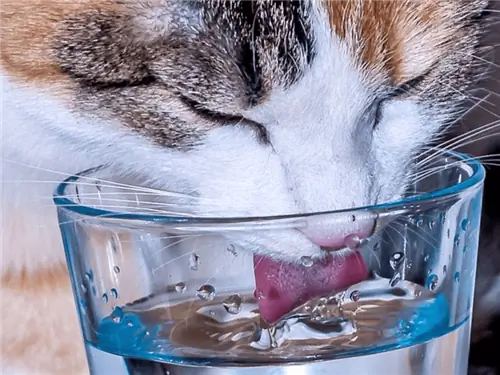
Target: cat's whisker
456, 141
93, 179
481, 59
125, 210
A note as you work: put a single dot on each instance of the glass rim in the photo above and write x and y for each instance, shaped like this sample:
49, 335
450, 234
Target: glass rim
62, 201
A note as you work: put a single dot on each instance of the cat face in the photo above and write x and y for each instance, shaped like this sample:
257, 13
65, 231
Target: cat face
254, 107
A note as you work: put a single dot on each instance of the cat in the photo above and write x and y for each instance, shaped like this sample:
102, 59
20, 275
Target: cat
306, 105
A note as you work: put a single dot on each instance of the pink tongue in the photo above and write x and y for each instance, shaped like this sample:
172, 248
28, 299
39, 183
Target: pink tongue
280, 287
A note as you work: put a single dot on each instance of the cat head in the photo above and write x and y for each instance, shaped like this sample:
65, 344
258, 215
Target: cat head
254, 107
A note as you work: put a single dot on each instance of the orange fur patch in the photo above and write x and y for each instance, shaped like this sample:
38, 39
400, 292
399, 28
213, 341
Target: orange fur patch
27, 32
39, 281
387, 35
39, 312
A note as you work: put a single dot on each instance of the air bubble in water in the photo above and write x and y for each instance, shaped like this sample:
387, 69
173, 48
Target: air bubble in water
114, 293
456, 277
233, 304
116, 269
432, 282
206, 292
194, 262
396, 260
180, 287
306, 261
355, 296
105, 298
232, 249
352, 241
426, 257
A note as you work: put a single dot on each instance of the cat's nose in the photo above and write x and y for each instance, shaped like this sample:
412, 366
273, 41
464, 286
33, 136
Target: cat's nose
339, 230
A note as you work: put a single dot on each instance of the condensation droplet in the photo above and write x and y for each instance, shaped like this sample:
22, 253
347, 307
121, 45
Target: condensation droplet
89, 276
448, 233
352, 241
84, 288
180, 287
233, 304
432, 282
113, 243
396, 260
306, 261
464, 250
355, 296
465, 224
116, 269
419, 221
94, 291
442, 218
194, 262
105, 298
114, 293
456, 277
445, 269
456, 240
431, 224
426, 257
206, 292
232, 249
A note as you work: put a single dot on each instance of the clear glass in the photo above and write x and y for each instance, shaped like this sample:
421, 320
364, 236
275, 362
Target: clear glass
172, 294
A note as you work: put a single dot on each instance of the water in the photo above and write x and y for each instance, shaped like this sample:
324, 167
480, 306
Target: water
371, 317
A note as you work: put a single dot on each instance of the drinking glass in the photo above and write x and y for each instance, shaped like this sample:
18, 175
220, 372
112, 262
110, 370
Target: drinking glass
159, 293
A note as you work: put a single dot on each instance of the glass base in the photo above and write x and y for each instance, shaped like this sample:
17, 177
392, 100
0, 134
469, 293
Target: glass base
445, 355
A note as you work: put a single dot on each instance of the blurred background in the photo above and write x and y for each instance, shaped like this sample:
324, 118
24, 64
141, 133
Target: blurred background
486, 111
